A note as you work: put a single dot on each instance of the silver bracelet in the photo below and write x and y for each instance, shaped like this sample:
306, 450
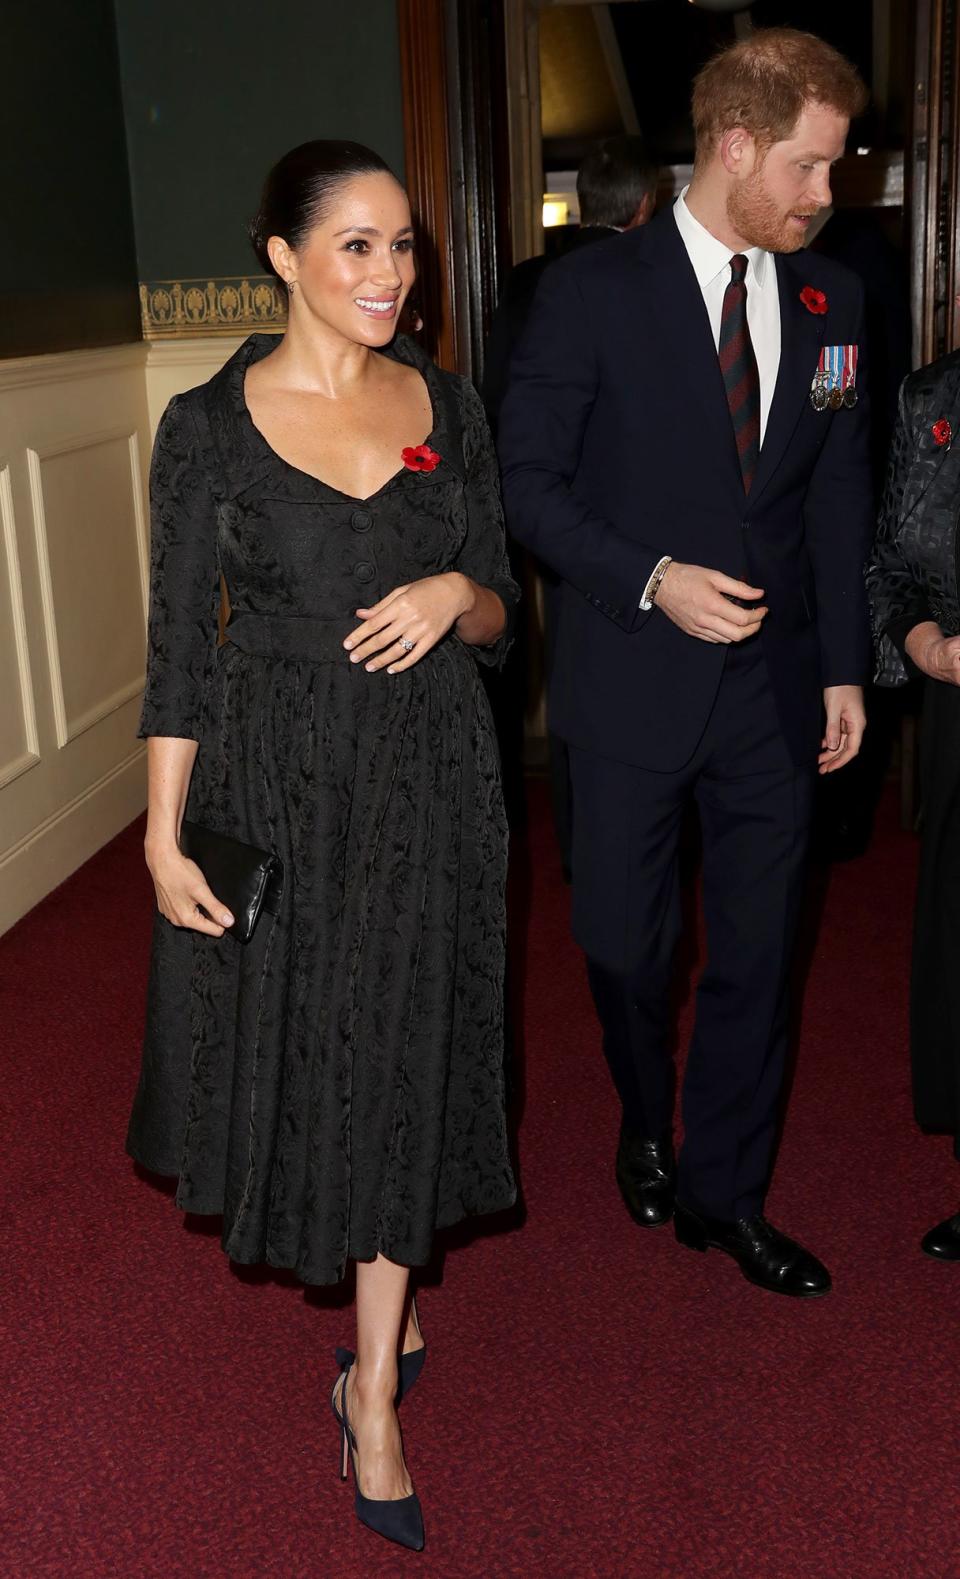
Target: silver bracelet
653, 585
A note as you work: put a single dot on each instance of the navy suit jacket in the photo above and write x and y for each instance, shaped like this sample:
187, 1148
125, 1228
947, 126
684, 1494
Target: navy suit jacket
617, 447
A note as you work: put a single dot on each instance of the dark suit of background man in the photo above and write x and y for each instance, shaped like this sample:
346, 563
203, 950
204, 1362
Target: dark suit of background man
661, 450
616, 191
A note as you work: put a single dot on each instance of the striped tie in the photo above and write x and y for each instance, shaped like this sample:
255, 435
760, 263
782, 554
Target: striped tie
739, 368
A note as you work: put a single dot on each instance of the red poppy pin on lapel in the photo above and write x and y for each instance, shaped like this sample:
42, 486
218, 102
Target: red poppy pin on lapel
813, 300
942, 432
420, 458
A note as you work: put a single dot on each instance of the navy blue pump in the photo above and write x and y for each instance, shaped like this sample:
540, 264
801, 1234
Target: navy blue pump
400, 1520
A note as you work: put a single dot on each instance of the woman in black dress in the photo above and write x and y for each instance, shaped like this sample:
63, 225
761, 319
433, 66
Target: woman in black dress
912, 580
334, 1087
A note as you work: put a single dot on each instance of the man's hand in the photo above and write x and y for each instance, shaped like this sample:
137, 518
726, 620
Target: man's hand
698, 600
934, 654
846, 721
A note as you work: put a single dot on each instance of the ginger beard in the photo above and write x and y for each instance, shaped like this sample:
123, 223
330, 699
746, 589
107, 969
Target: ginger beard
756, 215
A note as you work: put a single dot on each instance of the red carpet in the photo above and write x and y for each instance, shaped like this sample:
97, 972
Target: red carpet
597, 1402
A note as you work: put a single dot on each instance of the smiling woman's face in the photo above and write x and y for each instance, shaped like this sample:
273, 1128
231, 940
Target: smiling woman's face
355, 268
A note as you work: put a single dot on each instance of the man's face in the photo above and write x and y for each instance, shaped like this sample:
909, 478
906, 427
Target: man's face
771, 205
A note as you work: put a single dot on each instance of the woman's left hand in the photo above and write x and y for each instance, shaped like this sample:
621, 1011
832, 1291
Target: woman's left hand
421, 612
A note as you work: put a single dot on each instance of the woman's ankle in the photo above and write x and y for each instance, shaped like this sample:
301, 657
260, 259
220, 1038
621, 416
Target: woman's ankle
374, 1384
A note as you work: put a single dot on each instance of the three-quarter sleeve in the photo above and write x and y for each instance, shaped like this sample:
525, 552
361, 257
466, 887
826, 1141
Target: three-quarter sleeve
184, 580
483, 556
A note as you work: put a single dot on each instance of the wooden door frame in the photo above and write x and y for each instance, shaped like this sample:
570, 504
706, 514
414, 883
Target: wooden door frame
454, 76
423, 69
521, 26
934, 170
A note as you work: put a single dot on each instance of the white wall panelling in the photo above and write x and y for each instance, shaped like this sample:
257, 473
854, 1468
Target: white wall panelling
19, 745
88, 520
74, 567
176, 365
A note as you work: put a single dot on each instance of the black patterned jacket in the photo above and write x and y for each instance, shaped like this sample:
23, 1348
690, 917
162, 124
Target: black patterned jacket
912, 571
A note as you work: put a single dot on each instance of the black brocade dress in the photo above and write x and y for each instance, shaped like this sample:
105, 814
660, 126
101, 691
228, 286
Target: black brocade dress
334, 1087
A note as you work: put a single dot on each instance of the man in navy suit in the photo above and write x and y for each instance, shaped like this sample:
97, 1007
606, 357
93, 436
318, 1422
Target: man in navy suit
685, 441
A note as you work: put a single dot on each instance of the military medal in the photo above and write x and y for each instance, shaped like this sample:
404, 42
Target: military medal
822, 392
836, 391
835, 382
850, 376
819, 397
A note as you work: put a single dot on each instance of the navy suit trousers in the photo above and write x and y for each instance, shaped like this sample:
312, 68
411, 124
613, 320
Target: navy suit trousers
754, 806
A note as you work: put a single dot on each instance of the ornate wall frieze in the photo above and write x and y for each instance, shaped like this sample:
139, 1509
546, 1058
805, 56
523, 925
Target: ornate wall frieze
172, 309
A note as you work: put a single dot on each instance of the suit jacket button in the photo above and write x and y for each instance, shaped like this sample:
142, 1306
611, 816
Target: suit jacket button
361, 520
364, 571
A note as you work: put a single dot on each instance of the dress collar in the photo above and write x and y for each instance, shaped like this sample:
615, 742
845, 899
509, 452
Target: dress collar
445, 436
401, 349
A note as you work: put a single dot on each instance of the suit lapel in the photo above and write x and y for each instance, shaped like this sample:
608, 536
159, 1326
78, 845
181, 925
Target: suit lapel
679, 328
801, 339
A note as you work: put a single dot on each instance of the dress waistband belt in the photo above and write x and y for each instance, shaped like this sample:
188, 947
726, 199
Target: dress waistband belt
291, 636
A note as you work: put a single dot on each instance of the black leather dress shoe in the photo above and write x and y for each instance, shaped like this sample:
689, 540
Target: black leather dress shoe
647, 1177
764, 1255
943, 1242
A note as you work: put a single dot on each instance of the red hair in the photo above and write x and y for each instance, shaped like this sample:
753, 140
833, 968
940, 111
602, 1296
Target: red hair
763, 82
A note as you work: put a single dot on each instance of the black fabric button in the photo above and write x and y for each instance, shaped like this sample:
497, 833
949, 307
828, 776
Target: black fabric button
361, 520
364, 571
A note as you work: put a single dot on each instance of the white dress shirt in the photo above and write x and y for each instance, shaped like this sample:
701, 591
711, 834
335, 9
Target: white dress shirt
711, 264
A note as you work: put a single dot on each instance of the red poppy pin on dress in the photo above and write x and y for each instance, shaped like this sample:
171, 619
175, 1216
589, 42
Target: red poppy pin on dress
420, 458
813, 300
942, 431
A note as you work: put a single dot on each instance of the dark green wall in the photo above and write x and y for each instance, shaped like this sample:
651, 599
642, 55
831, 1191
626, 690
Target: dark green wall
67, 263
214, 93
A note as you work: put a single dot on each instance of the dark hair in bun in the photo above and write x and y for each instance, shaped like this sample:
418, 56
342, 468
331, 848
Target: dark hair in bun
301, 187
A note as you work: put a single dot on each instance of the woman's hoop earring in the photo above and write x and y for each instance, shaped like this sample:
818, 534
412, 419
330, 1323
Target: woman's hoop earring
291, 284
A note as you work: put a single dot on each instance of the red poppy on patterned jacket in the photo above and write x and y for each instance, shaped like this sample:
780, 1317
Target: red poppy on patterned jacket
942, 431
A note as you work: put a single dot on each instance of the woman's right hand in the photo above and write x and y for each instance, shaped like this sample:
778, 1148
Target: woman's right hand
934, 654
181, 889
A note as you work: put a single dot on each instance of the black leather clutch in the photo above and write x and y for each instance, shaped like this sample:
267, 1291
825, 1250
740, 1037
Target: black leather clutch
246, 879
